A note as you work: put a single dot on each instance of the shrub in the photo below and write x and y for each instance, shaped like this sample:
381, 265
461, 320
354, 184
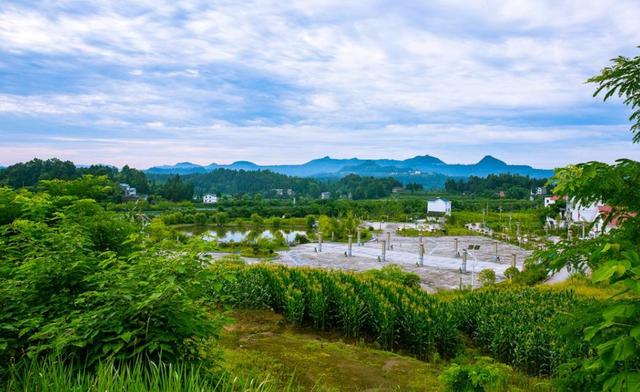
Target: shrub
395, 273
511, 272
480, 377
87, 285
487, 277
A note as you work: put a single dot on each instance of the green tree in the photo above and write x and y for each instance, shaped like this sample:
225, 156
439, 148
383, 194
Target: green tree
622, 79
487, 277
613, 258
175, 189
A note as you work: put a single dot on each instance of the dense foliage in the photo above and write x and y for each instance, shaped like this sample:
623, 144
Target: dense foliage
621, 79
514, 186
274, 185
175, 189
29, 174
83, 282
356, 187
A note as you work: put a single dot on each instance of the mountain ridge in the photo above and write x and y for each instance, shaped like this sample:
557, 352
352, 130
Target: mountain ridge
327, 167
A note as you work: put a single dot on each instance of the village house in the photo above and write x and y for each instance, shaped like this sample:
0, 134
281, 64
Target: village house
209, 199
129, 192
439, 206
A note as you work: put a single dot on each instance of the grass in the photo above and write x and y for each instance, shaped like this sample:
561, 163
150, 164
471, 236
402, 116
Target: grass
53, 375
261, 343
262, 353
583, 287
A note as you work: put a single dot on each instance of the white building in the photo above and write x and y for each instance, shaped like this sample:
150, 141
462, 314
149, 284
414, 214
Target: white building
325, 195
209, 199
128, 191
583, 214
442, 206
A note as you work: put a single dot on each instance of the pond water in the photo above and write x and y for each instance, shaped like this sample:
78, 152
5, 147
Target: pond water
236, 234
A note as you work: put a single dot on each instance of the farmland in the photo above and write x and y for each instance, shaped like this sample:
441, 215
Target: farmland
137, 288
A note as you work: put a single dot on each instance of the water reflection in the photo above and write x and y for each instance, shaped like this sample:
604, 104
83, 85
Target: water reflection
225, 234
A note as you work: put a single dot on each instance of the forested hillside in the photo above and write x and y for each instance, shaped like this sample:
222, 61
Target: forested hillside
512, 185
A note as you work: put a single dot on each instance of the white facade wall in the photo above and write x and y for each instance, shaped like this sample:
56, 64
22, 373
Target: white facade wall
209, 199
439, 205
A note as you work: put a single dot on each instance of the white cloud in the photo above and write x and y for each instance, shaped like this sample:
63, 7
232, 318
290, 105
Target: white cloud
408, 76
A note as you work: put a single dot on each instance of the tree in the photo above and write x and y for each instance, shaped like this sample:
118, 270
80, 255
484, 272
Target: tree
614, 258
176, 190
487, 277
135, 178
414, 187
87, 187
622, 79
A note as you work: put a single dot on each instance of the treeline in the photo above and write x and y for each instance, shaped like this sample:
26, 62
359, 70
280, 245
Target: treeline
274, 185
29, 174
358, 187
514, 186
221, 181
232, 182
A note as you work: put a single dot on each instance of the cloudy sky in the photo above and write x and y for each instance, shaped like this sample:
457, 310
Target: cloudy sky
152, 82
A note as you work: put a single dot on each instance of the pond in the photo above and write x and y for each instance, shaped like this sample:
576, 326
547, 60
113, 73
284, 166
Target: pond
237, 234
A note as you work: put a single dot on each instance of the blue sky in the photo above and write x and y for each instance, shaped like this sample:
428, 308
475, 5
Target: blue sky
155, 82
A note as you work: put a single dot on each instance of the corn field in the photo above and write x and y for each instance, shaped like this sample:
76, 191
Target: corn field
395, 316
522, 327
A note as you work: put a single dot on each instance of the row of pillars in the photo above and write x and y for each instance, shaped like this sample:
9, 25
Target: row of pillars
385, 244
350, 246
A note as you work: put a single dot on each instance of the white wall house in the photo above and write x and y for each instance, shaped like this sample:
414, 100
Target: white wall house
209, 199
128, 191
580, 213
325, 195
439, 205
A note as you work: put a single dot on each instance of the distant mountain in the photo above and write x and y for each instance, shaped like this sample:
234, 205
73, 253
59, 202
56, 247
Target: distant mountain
424, 169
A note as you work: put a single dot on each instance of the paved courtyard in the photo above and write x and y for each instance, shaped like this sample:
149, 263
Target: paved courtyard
440, 265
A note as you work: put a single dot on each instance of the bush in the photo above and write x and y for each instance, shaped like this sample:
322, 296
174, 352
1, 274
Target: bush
301, 239
487, 277
395, 273
511, 272
87, 285
479, 377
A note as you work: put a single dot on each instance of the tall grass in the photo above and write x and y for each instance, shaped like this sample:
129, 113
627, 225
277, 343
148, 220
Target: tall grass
52, 375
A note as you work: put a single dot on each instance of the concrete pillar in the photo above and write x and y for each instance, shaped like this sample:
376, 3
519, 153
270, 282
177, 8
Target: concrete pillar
513, 260
350, 245
383, 257
464, 261
569, 234
388, 240
421, 253
319, 242
358, 238
495, 243
456, 253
